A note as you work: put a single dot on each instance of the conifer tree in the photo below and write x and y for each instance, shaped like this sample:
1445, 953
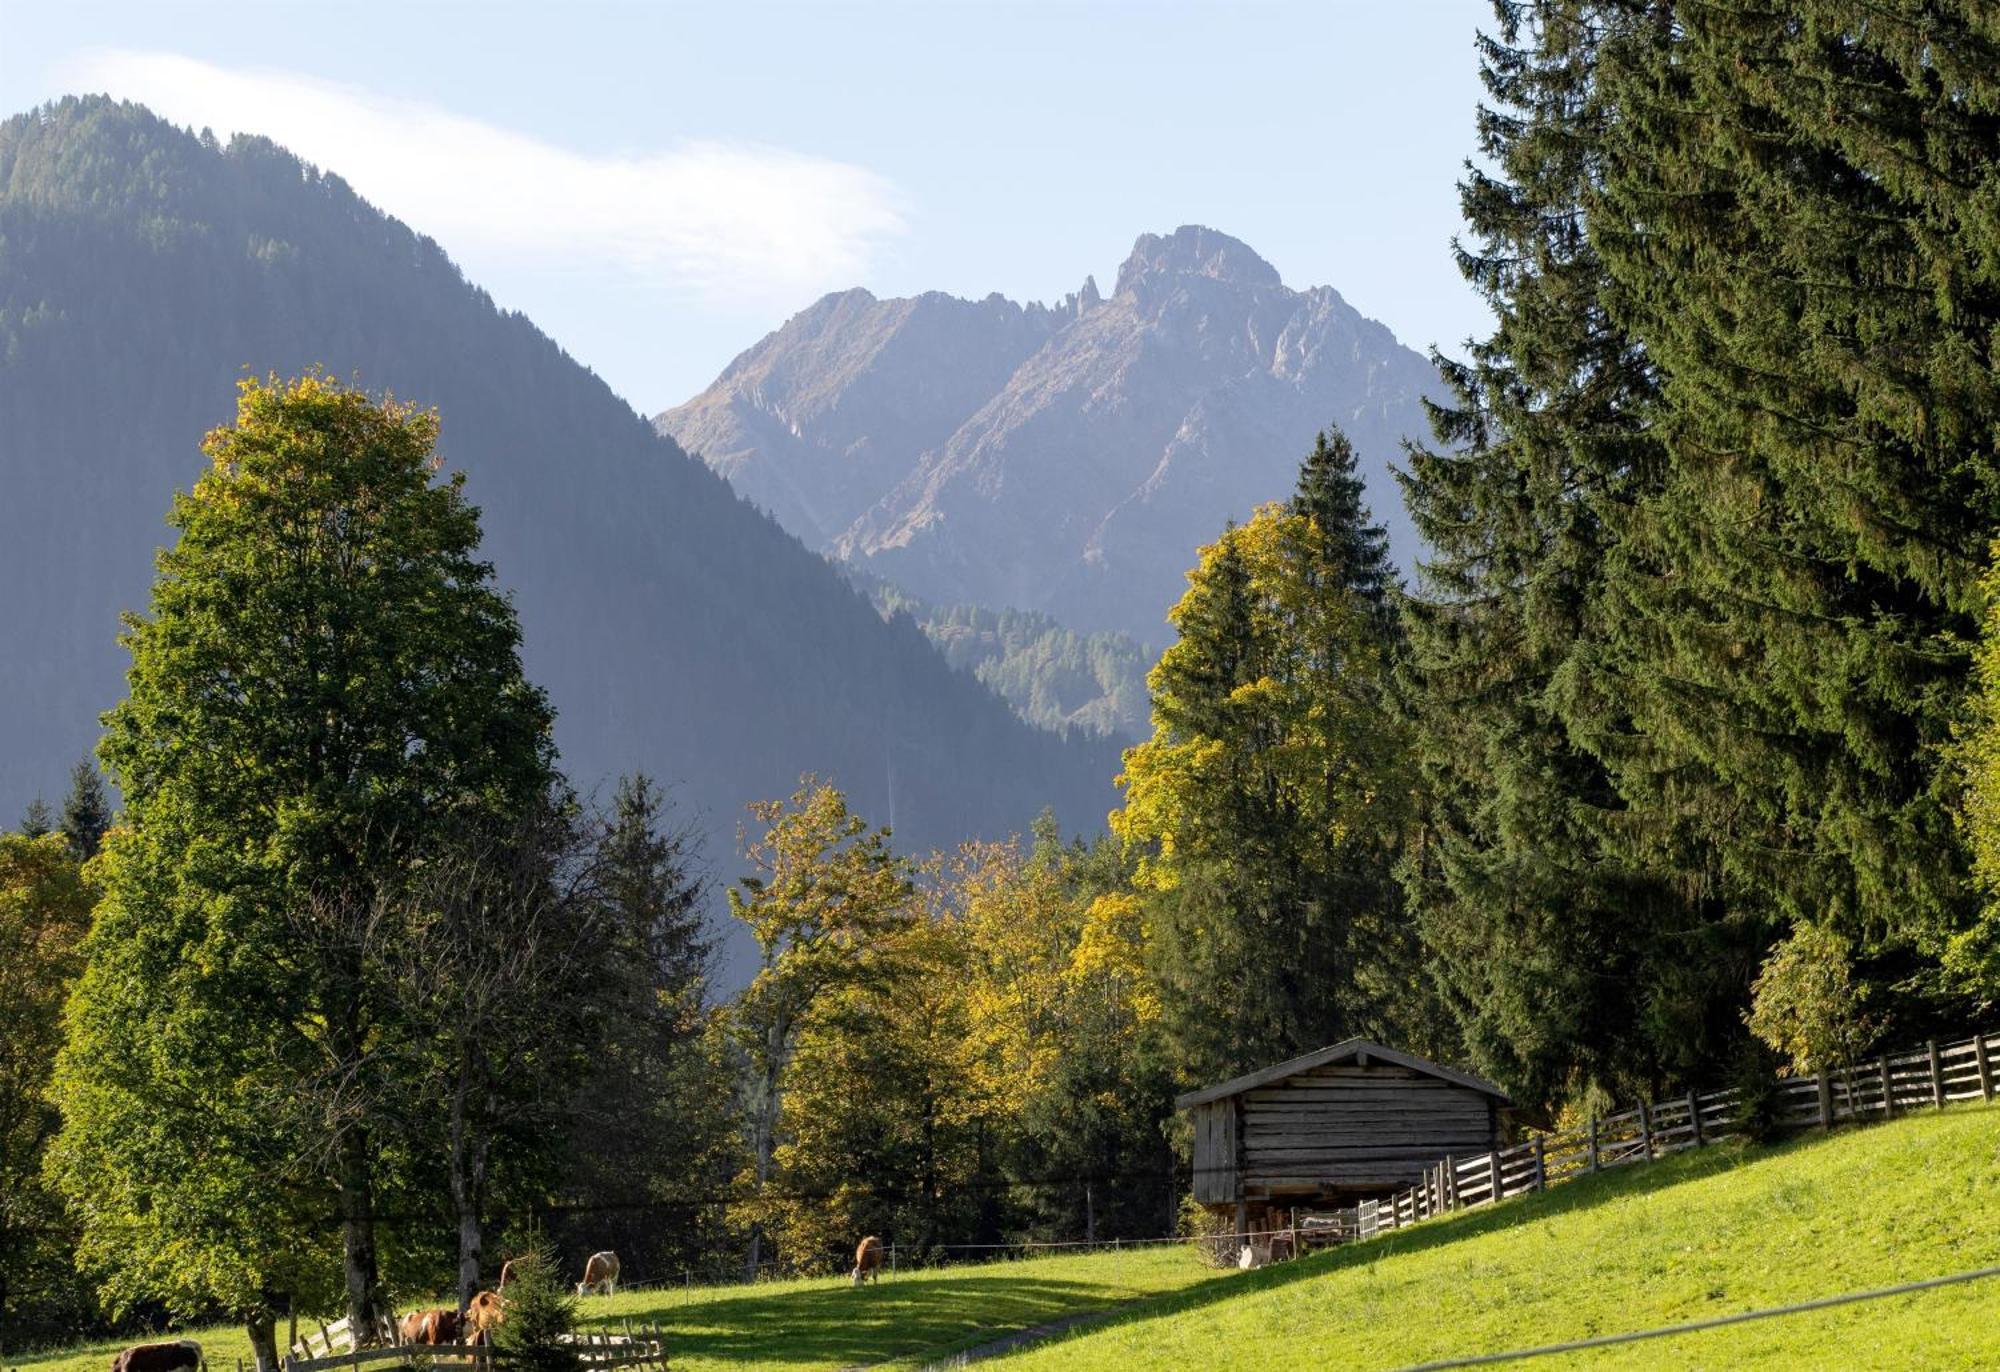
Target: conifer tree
1793, 220
1268, 804
1576, 933
38, 819
86, 811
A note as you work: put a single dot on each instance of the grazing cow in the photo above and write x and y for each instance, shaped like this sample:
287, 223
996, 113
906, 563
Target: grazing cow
432, 1327
600, 1274
486, 1313
867, 1260
161, 1357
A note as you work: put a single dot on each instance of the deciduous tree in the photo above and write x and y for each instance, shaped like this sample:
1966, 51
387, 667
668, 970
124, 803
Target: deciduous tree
326, 681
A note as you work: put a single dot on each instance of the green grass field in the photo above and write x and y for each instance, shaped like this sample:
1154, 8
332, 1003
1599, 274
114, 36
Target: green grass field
1708, 1233
826, 1323
1721, 1230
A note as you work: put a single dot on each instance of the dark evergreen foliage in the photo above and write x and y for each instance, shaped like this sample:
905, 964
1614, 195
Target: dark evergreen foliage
1576, 936
655, 1134
38, 818
1708, 515
1795, 219
1276, 791
86, 811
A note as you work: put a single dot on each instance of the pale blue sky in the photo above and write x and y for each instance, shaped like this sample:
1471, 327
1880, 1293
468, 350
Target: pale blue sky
659, 185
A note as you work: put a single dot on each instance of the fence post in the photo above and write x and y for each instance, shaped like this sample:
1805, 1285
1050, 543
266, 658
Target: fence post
1694, 1118
1888, 1090
1450, 1166
1985, 1070
1937, 1075
1493, 1176
1541, 1163
1646, 1130
1825, 1100
1593, 1140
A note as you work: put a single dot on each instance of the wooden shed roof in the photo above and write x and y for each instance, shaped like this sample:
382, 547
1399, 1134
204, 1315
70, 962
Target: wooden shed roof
1351, 1050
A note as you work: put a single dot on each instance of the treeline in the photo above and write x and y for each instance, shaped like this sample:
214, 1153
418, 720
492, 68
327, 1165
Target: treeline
1691, 670
1683, 754
355, 996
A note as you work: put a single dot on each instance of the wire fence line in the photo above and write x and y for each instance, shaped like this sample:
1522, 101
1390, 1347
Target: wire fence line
1714, 1322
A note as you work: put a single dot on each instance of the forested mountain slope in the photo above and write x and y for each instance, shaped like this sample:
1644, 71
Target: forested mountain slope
144, 269
1053, 676
1064, 459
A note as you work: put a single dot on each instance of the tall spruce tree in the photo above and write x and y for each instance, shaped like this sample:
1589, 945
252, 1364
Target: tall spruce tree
1577, 934
1275, 791
1795, 219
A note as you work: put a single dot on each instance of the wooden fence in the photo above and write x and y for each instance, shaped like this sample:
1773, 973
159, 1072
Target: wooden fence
1925, 1078
338, 1337
638, 1347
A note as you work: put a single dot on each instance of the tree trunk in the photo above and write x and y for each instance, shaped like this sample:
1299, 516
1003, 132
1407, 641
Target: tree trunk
262, 1327
468, 1188
767, 1129
357, 1234
1089, 1214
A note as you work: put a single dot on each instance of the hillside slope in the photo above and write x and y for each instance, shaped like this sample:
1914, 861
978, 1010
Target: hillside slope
1053, 676
1066, 459
1706, 1233
676, 628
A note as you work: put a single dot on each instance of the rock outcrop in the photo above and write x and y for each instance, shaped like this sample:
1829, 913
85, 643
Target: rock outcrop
1068, 460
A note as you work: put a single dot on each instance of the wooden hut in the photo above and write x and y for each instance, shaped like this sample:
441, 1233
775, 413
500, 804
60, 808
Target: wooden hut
1333, 1128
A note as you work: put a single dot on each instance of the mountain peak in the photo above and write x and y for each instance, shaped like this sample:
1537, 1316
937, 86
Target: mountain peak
1192, 250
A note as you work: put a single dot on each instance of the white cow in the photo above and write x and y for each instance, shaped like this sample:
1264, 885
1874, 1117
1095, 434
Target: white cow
600, 1274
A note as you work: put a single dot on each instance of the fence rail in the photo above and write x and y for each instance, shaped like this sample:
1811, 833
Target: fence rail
1930, 1077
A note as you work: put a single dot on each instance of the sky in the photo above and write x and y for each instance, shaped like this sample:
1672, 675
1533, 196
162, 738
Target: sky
660, 185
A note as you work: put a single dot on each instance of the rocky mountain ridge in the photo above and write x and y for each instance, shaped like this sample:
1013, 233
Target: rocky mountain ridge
1065, 459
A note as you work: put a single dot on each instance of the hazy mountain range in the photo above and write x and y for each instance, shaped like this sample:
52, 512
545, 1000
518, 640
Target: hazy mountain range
1065, 459
678, 630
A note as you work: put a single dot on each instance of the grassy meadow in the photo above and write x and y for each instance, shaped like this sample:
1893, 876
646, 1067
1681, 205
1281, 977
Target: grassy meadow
793, 1326
1724, 1229
1707, 1233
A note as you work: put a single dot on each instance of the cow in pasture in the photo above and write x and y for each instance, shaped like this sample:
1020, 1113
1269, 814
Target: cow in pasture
432, 1327
486, 1313
600, 1274
161, 1357
867, 1260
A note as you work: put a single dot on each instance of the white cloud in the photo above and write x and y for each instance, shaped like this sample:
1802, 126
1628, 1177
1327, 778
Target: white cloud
738, 224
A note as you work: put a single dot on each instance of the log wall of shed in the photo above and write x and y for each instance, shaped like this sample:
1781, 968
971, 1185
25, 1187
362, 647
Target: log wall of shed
1348, 1126
1217, 1173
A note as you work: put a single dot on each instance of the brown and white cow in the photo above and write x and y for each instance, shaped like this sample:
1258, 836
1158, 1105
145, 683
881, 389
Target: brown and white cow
600, 1274
431, 1327
161, 1357
867, 1260
486, 1312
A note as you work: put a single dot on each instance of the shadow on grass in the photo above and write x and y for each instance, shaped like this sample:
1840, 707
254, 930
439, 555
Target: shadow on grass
932, 1314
